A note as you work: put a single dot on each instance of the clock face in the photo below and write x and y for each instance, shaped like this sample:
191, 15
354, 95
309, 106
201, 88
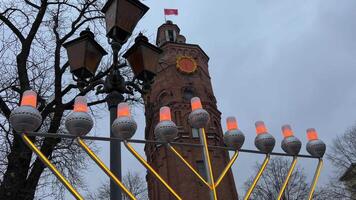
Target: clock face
186, 64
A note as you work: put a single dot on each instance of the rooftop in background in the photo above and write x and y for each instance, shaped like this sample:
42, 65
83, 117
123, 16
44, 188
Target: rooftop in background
349, 174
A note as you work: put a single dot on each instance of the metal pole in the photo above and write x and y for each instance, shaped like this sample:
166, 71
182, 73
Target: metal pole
228, 166
113, 99
97, 160
54, 170
258, 176
315, 179
188, 165
208, 168
149, 168
285, 183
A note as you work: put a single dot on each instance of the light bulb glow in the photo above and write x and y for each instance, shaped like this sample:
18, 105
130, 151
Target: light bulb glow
80, 104
260, 127
165, 114
312, 134
231, 123
287, 131
123, 110
196, 103
29, 98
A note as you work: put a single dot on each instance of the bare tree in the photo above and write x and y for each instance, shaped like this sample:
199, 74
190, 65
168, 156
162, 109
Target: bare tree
134, 183
32, 34
272, 179
342, 155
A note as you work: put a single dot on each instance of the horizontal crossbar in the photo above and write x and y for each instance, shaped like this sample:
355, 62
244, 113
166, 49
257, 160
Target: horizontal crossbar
96, 138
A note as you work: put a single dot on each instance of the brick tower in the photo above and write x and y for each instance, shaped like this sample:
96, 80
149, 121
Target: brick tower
183, 73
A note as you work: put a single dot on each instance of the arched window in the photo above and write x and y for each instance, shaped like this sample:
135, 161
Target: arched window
162, 97
188, 93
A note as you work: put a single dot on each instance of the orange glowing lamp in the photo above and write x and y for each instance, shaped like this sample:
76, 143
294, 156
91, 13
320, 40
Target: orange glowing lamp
196, 103
29, 98
287, 131
123, 110
80, 104
260, 127
165, 114
231, 123
312, 134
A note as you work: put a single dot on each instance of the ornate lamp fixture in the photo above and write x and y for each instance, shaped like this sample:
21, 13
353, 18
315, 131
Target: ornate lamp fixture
124, 127
290, 143
264, 141
84, 55
121, 17
166, 130
79, 122
199, 117
315, 146
143, 58
26, 118
233, 137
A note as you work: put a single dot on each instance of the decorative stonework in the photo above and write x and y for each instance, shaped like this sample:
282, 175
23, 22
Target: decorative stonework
186, 64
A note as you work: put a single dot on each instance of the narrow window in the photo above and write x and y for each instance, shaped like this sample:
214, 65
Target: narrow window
195, 133
201, 169
170, 34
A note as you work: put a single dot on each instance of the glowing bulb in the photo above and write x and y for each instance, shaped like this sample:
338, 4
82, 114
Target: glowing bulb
312, 134
231, 123
29, 98
260, 127
165, 114
196, 103
123, 110
287, 131
80, 104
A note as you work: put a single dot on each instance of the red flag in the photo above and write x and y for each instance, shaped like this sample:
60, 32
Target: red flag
170, 11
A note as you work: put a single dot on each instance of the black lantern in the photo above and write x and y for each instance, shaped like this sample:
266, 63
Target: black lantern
121, 17
143, 58
84, 55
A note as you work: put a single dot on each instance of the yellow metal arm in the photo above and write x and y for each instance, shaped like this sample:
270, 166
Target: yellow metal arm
148, 166
285, 183
188, 165
315, 179
104, 168
48, 163
233, 159
258, 176
207, 157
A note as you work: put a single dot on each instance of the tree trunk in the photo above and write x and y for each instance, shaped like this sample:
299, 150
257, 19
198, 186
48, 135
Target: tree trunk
15, 176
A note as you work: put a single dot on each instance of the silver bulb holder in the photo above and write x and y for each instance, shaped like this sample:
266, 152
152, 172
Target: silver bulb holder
234, 139
291, 145
199, 118
316, 148
166, 131
79, 123
124, 128
25, 119
265, 142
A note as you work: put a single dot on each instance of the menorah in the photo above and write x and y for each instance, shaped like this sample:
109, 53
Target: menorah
26, 119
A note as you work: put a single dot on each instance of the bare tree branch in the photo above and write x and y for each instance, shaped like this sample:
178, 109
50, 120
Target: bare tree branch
14, 29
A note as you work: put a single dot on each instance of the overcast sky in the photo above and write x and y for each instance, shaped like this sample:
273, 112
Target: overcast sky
280, 61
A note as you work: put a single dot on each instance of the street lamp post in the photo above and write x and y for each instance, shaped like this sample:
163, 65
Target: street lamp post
84, 55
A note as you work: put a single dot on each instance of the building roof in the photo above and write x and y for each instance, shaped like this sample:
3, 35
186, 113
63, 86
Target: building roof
185, 45
349, 174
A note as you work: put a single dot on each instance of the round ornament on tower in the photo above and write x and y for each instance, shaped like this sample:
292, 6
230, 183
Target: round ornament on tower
186, 64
